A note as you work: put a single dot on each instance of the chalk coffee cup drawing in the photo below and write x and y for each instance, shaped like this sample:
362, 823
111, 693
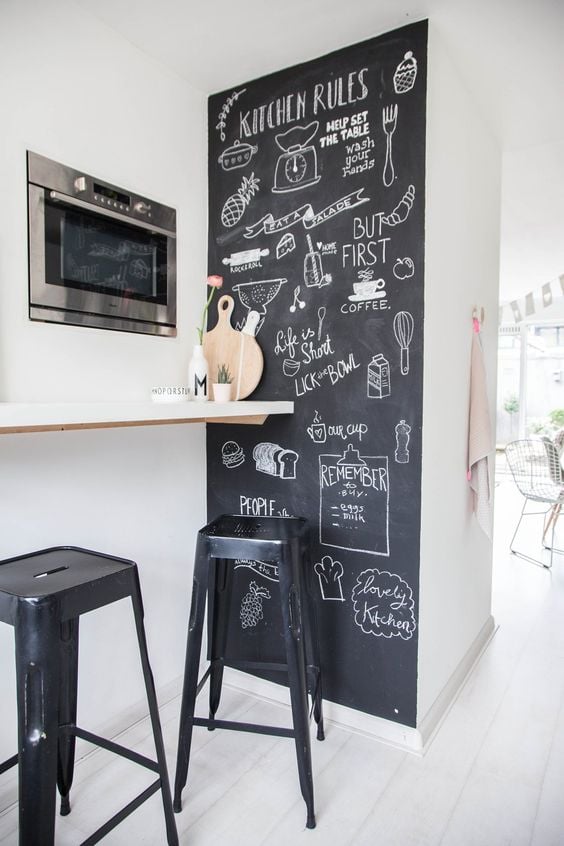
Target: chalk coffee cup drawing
370, 289
317, 432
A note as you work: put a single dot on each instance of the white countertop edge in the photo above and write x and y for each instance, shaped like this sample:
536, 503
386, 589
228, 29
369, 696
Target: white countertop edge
77, 413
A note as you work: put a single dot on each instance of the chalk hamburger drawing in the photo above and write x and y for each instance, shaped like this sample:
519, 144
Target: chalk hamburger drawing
232, 455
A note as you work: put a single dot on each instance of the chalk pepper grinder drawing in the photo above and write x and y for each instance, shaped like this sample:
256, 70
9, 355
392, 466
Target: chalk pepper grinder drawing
402, 439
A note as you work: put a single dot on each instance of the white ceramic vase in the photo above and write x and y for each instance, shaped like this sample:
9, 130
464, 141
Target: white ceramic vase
198, 374
222, 391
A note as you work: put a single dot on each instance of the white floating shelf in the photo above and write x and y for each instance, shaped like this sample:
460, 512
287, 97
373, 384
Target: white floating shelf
46, 417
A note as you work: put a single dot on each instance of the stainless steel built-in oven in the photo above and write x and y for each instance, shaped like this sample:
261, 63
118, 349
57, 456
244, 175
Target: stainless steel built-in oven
98, 255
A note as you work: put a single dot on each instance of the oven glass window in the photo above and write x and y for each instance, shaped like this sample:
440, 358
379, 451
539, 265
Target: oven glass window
89, 252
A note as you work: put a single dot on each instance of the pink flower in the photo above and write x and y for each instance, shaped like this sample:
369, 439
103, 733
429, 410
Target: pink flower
214, 282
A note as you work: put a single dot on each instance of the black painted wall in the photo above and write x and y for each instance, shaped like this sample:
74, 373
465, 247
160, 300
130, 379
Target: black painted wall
319, 172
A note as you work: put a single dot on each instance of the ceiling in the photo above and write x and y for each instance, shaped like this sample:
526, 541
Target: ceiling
508, 52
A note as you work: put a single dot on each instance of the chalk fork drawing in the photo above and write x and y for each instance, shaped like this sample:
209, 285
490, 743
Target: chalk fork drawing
255, 296
402, 440
297, 165
404, 76
401, 211
404, 268
403, 330
235, 205
251, 606
275, 460
383, 605
330, 573
389, 120
297, 303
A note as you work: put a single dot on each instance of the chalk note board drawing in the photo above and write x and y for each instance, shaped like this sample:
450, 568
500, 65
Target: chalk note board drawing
401, 455
354, 502
236, 156
378, 380
275, 460
368, 289
403, 331
401, 211
404, 268
251, 605
383, 605
297, 303
318, 430
321, 312
389, 121
405, 73
236, 204
255, 296
286, 244
225, 109
330, 573
306, 215
246, 257
266, 569
296, 167
232, 455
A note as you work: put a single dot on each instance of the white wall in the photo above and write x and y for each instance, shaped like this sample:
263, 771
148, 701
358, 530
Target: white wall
462, 243
73, 90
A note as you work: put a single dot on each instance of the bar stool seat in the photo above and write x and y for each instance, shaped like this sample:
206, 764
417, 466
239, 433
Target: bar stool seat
283, 541
42, 595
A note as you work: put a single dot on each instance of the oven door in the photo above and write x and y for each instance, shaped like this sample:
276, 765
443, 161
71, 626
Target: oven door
94, 267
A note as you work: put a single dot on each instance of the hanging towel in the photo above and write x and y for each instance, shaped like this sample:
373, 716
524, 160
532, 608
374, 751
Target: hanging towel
480, 439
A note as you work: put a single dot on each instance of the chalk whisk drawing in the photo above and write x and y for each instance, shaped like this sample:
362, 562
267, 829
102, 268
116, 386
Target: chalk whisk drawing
403, 330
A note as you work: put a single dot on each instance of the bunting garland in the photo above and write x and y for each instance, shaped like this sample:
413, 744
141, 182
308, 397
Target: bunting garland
515, 311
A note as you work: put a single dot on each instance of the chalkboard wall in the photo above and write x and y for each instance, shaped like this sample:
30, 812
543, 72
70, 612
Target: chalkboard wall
316, 220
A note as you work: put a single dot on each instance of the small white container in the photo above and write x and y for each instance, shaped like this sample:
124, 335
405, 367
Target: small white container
222, 391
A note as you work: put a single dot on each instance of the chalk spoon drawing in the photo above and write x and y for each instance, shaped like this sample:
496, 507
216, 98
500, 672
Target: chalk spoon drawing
251, 606
406, 71
401, 211
383, 605
389, 120
401, 454
330, 573
297, 165
235, 205
403, 330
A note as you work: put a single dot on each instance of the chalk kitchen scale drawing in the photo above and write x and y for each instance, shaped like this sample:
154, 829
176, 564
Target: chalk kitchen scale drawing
297, 165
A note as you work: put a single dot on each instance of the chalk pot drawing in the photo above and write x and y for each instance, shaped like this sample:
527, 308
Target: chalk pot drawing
225, 109
378, 383
389, 121
237, 156
235, 205
406, 71
275, 460
251, 606
286, 244
297, 303
232, 455
255, 296
354, 502
383, 605
401, 211
245, 257
404, 268
330, 573
403, 330
297, 165
267, 569
313, 269
401, 454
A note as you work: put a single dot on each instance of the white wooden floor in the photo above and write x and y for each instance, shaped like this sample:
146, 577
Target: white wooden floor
493, 775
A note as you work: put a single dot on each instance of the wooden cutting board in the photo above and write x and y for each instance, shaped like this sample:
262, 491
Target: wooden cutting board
238, 350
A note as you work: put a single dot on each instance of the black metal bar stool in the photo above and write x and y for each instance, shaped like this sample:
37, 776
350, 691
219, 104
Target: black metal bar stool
285, 542
42, 595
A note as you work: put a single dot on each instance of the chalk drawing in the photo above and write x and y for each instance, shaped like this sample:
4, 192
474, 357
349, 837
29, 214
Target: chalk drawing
389, 120
330, 573
235, 205
232, 455
404, 268
383, 605
401, 211
403, 331
401, 454
275, 460
251, 606
406, 71
296, 167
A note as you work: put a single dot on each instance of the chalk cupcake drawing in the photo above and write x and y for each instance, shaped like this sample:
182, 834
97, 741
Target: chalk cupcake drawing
406, 71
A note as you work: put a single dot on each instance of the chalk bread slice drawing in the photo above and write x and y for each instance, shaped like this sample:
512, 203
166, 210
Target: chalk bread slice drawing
239, 351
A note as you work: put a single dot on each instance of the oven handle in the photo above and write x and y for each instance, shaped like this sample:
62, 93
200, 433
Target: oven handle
140, 224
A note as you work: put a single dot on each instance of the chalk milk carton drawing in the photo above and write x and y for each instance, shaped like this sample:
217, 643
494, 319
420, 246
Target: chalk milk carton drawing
354, 502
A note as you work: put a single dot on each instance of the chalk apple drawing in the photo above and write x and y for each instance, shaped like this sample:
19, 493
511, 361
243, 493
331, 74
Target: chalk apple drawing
404, 268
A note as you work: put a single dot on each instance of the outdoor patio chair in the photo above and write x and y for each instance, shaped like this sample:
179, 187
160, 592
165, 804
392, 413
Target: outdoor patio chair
537, 472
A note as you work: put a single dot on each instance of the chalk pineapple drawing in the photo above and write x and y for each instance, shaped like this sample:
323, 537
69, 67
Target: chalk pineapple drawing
235, 205
251, 606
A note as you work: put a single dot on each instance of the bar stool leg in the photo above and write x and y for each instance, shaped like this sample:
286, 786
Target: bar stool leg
191, 668
68, 687
218, 622
36, 636
313, 652
295, 658
171, 832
